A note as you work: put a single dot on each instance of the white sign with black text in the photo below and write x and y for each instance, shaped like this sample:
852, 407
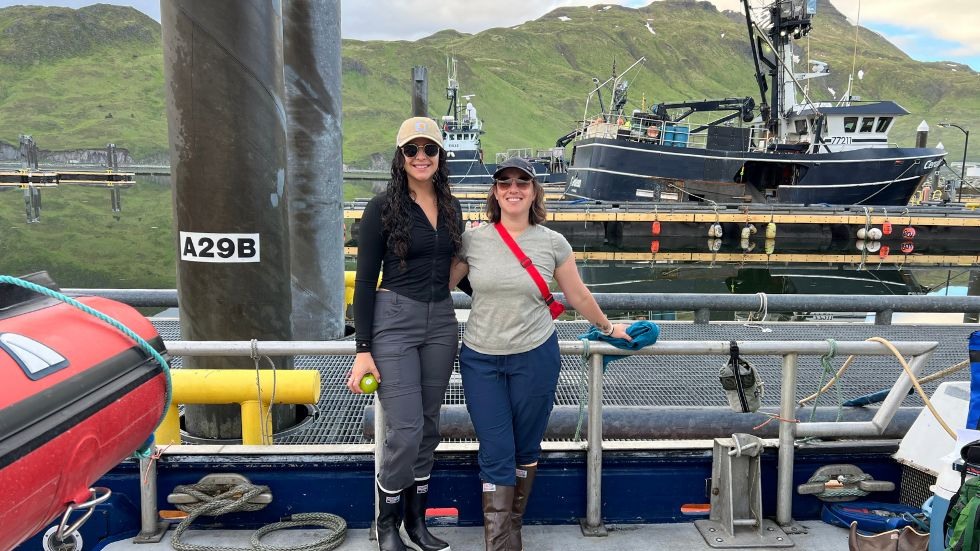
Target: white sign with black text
219, 247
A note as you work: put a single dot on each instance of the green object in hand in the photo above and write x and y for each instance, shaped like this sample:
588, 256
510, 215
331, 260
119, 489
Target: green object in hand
368, 383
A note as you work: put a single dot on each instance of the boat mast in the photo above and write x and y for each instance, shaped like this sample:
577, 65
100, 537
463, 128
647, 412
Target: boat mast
791, 20
756, 56
452, 89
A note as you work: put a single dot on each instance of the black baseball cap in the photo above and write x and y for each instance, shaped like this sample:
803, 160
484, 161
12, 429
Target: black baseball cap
515, 162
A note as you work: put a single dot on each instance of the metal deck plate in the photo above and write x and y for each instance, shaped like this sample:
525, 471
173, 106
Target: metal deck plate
745, 537
658, 380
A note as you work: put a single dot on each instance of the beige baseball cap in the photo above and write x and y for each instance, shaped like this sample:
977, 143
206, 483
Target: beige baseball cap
418, 127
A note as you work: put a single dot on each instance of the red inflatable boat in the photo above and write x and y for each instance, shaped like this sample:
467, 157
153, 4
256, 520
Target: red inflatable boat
76, 397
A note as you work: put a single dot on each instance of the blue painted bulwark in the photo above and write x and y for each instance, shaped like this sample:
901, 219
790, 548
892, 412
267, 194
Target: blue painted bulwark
638, 487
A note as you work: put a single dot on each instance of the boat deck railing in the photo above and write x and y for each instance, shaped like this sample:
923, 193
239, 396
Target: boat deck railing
640, 128
702, 305
790, 428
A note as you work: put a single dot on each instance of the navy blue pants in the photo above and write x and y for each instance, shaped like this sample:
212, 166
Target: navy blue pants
509, 398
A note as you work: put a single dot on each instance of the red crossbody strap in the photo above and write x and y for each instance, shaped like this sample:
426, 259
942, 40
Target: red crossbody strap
526, 263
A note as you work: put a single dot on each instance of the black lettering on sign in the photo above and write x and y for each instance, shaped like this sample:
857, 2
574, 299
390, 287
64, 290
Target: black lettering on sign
219, 247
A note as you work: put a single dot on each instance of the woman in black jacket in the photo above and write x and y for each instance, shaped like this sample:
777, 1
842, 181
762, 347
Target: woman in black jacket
407, 334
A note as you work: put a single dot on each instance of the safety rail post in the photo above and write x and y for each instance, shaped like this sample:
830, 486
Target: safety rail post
152, 529
592, 524
884, 317
379, 440
787, 439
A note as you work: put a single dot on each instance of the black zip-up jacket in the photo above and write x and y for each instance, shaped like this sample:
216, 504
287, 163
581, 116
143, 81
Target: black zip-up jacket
426, 276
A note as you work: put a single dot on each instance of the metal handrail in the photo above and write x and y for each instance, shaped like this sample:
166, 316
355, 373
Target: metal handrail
788, 431
701, 304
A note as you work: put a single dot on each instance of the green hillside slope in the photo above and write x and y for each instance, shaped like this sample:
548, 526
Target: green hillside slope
82, 78
63, 72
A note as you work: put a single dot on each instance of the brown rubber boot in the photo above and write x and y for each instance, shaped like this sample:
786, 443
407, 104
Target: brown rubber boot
525, 479
497, 504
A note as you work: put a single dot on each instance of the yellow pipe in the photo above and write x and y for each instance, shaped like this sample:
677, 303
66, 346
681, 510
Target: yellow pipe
252, 423
237, 386
349, 287
169, 430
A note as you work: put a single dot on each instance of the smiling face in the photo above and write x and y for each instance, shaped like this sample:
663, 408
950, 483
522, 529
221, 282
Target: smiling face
421, 167
514, 196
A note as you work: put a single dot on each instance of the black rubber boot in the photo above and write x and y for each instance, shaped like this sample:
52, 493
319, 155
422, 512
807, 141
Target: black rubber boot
497, 504
525, 480
389, 521
416, 534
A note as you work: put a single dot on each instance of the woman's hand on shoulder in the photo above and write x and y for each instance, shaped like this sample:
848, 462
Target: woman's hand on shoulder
363, 364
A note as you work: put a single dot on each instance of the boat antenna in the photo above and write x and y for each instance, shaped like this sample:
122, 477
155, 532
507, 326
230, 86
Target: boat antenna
597, 89
452, 85
598, 94
850, 78
759, 76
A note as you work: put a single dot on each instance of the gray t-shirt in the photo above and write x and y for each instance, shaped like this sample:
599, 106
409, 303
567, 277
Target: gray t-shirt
508, 315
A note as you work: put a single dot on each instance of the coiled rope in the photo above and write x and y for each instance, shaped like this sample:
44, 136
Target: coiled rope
220, 499
146, 450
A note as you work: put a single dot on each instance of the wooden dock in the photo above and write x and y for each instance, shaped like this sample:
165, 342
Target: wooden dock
920, 236
53, 178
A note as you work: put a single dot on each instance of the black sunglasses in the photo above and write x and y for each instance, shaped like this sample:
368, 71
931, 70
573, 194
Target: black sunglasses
411, 150
505, 183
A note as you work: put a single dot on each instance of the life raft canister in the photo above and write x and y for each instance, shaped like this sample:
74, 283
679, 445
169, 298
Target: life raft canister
78, 397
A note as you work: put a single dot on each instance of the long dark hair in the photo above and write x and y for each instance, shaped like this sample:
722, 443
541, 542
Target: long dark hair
397, 210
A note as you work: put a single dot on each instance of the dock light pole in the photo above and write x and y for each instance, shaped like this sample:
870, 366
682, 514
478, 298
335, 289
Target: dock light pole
966, 144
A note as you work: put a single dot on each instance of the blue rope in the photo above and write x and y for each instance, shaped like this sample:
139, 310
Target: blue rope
145, 450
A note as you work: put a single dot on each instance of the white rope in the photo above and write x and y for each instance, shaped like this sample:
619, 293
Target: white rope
264, 417
764, 310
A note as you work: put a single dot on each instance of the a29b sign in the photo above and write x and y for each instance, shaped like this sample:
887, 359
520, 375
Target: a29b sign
219, 247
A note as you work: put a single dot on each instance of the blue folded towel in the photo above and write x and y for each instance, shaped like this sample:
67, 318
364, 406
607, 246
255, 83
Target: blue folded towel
643, 333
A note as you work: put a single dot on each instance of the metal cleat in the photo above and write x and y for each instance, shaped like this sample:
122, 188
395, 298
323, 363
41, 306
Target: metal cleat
223, 480
842, 482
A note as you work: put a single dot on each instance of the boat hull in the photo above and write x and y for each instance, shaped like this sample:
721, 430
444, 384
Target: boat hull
618, 170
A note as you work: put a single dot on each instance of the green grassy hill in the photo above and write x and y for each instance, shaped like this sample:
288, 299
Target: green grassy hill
63, 72
82, 78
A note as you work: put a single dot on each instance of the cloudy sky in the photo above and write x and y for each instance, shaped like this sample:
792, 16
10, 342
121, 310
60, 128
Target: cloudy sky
928, 30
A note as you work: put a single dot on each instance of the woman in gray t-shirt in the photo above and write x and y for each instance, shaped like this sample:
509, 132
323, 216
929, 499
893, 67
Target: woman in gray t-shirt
510, 360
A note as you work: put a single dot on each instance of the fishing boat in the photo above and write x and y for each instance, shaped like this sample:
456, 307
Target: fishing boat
788, 148
462, 130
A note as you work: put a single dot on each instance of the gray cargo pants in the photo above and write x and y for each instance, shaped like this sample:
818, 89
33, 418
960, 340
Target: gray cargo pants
414, 344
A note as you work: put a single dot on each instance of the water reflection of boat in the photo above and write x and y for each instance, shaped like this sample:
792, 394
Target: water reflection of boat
785, 151
644, 277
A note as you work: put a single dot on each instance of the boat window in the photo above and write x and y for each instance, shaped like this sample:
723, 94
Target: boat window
850, 124
801, 126
867, 124
883, 123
